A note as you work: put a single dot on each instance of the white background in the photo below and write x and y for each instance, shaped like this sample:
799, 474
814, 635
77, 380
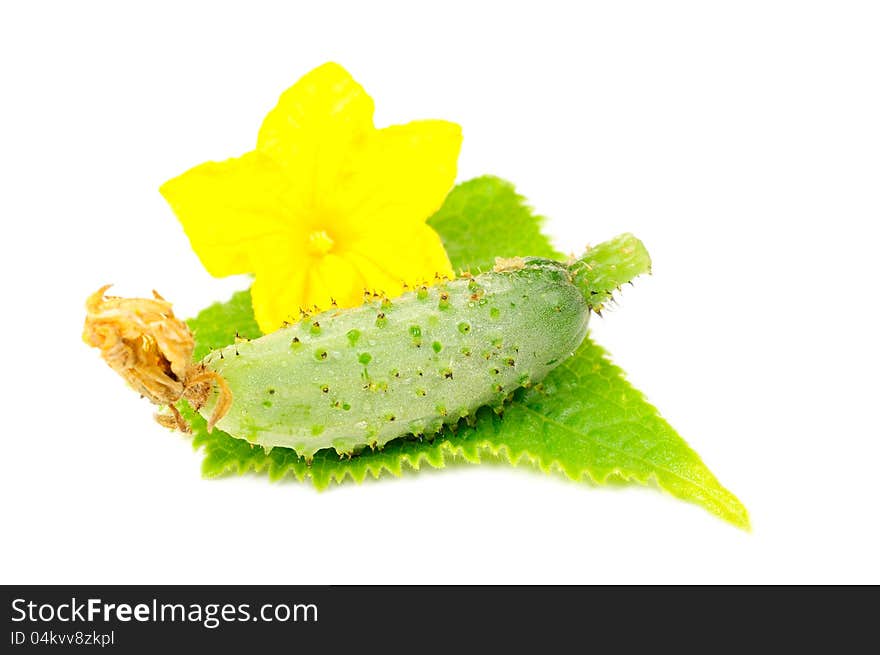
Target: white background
740, 141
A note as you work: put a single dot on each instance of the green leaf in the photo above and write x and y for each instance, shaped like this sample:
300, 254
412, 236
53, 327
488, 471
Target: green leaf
584, 420
485, 218
219, 324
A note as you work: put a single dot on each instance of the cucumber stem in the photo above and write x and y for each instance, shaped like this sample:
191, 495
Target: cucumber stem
606, 267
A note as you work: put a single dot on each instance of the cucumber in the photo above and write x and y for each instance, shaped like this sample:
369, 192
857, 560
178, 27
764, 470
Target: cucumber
346, 379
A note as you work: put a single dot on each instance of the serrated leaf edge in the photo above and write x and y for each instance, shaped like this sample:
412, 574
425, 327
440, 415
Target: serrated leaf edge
725, 505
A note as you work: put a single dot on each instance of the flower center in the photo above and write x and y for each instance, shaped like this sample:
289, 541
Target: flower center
320, 242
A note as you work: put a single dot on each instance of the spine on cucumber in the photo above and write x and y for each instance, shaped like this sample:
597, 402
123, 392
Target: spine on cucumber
358, 377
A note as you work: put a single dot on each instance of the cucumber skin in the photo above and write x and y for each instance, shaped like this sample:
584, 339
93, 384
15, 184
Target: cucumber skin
363, 376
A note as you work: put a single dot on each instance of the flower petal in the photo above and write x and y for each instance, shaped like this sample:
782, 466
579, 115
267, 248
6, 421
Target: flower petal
225, 207
326, 205
334, 278
301, 281
279, 288
316, 126
402, 175
288, 278
408, 256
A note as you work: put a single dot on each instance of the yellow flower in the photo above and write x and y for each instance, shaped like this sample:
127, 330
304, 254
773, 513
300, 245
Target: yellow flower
326, 206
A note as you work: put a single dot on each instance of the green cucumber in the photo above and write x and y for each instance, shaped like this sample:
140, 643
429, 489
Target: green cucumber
348, 378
